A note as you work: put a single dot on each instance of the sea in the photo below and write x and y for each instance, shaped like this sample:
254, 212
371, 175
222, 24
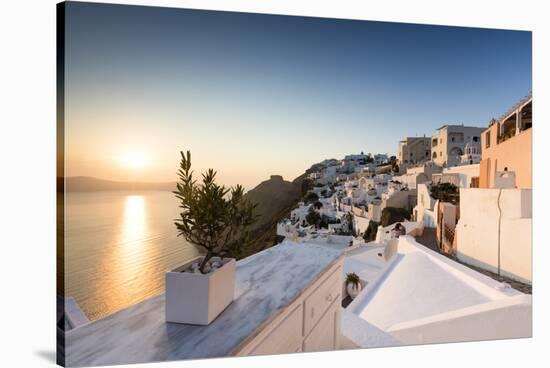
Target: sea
118, 246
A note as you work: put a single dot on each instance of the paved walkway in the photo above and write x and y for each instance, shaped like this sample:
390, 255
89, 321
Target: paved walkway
428, 239
520, 286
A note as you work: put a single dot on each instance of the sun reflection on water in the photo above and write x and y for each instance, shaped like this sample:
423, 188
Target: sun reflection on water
133, 225
131, 252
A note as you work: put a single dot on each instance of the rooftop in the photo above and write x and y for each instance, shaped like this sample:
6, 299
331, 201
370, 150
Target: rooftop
456, 126
418, 296
508, 112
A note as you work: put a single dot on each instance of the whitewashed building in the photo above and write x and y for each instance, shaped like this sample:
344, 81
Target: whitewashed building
424, 211
413, 150
449, 143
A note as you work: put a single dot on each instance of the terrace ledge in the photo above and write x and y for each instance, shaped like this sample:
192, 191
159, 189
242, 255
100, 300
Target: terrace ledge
265, 284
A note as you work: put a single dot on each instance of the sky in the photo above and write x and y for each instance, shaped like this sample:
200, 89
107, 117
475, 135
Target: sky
253, 95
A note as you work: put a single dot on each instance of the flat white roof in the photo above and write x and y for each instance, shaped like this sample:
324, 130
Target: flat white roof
418, 295
365, 261
417, 287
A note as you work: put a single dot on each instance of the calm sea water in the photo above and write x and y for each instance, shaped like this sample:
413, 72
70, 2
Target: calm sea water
118, 246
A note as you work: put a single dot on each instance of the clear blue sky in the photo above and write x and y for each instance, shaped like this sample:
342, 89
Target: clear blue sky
253, 95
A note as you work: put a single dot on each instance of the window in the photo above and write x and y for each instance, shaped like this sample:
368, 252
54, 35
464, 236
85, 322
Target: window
452, 139
476, 139
487, 139
440, 140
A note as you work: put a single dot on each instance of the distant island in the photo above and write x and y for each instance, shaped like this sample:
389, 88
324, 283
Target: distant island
91, 184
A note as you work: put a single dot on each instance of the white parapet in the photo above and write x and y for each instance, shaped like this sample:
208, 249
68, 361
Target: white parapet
494, 231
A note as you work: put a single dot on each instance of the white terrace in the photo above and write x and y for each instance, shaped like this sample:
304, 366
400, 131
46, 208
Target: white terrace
414, 296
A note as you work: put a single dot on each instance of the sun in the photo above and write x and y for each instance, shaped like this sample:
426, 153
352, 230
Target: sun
133, 160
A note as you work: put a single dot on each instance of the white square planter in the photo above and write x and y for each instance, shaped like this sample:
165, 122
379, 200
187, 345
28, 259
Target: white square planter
198, 299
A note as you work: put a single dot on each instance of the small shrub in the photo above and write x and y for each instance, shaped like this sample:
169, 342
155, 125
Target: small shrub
392, 215
313, 217
307, 185
445, 192
325, 221
370, 232
311, 197
352, 278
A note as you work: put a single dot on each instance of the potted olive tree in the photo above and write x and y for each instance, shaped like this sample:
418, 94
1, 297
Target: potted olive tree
216, 219
353, 285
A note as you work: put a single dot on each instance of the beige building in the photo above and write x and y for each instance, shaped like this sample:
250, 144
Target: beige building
413, 150
506, 146
449, 143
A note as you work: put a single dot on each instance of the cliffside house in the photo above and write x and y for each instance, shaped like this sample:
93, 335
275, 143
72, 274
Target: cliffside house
449, 143
507, 146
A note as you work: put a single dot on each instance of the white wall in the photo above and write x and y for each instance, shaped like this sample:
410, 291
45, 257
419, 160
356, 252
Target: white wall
328, 211
360, 224
424, 206
465, 173
516, 248
427, 168
408, 179
286, 230
493, 320
384, 234
374, 212
429, 219
482, 239
399, 199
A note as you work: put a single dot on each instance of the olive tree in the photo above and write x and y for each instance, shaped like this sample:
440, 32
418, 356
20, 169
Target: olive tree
213, 217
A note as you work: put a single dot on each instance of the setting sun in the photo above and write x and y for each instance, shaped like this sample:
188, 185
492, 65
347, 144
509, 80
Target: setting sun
133, 160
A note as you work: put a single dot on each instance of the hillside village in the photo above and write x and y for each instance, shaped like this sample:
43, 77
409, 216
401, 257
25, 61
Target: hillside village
463, 191
461, 197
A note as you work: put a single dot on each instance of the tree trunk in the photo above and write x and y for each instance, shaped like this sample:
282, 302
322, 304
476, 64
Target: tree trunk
205, 260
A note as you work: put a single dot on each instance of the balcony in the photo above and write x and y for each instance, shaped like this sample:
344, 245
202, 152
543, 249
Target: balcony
516, 123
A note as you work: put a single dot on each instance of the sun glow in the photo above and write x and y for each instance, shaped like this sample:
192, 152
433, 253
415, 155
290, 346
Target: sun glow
133, 160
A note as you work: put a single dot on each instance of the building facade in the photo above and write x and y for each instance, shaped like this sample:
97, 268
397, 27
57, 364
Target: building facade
506, 146
472, 153
413, 150
449, 142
